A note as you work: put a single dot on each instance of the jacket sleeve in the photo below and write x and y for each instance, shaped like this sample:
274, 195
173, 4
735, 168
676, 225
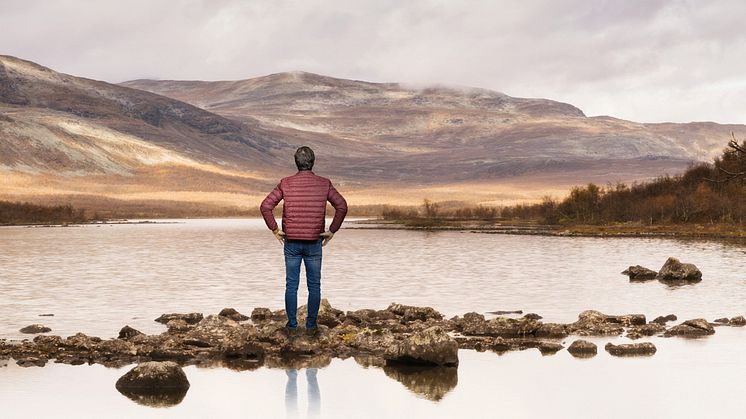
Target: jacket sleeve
340, 208
269, 203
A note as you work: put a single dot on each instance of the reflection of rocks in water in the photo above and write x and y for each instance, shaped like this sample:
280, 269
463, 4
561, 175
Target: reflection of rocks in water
431, 383
367, 361
154, 398
157, 384
235, 364
298, 362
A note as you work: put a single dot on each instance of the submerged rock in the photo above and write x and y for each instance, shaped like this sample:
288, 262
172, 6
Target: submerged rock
639, 273
674, 270
631, 349
232, 314
582, 349
35, 328
431, 346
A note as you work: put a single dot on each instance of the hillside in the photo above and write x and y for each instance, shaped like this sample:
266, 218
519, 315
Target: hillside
225, 143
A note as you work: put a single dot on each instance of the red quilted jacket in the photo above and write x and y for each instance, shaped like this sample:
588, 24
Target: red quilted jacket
305, 196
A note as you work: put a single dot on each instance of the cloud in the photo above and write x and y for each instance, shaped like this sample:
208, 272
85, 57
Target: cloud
643, 60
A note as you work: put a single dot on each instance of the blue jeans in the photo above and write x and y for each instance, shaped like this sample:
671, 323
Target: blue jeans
308, 251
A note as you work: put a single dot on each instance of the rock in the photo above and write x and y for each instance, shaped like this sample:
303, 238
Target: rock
154, 376
582, 349
178, 326
639, 273
631, 349
412, 313
722, 320
595, 323
673, 270
738, 321
691, 328
327, 316
35, 328
46, 315
128, 332
503, 312
154, 383
649, 329
189, 318
261, 314
664, 319
532, 316
31, 361
551, 330
432, 346
241, 342
232, 314
210, 331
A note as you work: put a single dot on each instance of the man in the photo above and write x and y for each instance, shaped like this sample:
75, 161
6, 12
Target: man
302, 233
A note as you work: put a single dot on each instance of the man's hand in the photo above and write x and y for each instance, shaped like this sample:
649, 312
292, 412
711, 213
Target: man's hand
327, 236
279, 235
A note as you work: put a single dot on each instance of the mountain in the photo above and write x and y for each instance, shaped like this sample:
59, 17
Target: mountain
386, 132
61, 134
200, 144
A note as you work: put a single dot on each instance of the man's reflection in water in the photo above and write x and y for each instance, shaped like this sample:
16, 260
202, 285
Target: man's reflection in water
291, 393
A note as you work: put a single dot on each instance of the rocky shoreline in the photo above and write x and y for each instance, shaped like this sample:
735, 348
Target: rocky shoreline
398, 335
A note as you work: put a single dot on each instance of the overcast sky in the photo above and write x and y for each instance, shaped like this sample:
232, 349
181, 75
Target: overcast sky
642, 60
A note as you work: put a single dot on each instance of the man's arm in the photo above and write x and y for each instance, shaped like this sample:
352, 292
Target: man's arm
269, 204
340, 208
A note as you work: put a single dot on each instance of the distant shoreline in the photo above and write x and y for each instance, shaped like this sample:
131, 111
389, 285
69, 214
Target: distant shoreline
710, 231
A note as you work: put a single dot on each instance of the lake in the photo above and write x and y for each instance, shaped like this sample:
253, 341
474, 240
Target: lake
97, 278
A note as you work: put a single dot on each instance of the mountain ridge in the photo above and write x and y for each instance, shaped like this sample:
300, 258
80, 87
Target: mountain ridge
227, 142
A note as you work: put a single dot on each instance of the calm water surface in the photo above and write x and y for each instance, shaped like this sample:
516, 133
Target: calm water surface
96, 279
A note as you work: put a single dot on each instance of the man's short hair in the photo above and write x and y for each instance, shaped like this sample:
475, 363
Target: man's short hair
304, 158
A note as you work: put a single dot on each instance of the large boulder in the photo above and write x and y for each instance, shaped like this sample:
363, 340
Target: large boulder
154, 376
153, 383
639, 273
631, 349
582, 349
432, 346
673, 270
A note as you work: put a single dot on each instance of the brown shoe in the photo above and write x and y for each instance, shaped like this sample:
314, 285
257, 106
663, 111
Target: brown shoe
313, 332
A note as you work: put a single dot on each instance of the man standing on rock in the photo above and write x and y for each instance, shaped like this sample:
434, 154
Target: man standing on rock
303, 221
